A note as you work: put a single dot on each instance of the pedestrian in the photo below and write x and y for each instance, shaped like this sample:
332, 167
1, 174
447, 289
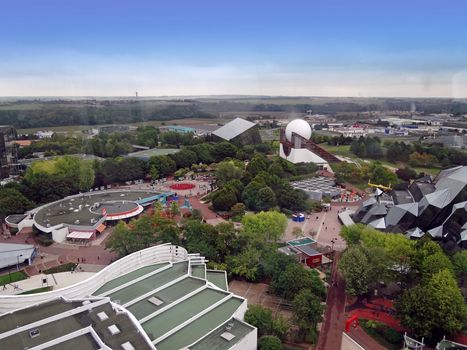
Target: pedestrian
98, 257
326, 228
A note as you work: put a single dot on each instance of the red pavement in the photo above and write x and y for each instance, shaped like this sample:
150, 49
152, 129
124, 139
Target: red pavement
91, 254
204, 208
379, 316
330, 336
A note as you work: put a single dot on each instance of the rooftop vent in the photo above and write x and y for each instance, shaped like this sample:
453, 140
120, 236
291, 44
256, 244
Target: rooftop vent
128, 346
102, 316
155, 301
113, 329
227, 336
34, 333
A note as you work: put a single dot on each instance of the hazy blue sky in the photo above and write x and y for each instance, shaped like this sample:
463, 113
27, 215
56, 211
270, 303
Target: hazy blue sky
192, 47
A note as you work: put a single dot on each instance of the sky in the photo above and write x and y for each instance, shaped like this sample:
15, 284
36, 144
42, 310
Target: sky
387, 48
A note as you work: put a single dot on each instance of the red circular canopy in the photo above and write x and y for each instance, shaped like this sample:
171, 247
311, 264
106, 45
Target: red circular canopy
182, 186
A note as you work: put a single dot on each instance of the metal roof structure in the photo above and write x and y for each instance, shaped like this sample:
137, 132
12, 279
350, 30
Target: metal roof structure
162, 306
89, 324
146, 154
441, 209
233, 128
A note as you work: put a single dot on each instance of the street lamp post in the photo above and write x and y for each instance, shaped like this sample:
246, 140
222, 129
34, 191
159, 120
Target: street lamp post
17, 261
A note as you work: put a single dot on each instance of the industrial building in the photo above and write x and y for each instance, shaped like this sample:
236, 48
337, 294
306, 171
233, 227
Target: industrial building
8, 156
239, 131
318, 187
437, 208
159, 298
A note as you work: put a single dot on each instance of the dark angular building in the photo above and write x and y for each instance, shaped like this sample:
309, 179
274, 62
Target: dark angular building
436, 207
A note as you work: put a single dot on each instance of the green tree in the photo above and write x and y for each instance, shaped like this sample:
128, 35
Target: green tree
185, 158
459, 262
269, 342
165, 165
174, 209
13, 202
227, 171
204, 151
266, 226
433, 308
257, 164
307, 312
352, 233
262, 318
355, 268
238, 210
381, 175
224, 150
121, 241
154, 172
295, 278
250, 194
246, 263
224, 199
266, 198
435, 263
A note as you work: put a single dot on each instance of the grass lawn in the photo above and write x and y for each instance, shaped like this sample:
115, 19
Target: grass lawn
37, 290
15, 277
342, 150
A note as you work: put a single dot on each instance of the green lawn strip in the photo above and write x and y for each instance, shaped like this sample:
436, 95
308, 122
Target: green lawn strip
37, 290
15, 277
375, 329
61, 268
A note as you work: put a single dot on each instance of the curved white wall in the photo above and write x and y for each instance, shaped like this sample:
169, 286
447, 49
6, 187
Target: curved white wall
149, 256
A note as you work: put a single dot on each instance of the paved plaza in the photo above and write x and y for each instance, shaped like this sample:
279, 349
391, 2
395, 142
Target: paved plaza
323, 227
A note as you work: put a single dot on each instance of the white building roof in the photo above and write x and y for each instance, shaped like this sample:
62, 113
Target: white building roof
11, 253
233, 128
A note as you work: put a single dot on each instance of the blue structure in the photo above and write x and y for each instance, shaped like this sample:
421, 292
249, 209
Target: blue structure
181, 129
187, 204
161, 197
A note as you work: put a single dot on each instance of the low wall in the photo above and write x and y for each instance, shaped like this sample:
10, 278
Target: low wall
149, 256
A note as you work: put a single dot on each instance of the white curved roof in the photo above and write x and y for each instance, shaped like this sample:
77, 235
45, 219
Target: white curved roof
233, 128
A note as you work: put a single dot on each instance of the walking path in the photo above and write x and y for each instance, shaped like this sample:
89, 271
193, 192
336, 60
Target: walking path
330, 336
364, 340
56, 280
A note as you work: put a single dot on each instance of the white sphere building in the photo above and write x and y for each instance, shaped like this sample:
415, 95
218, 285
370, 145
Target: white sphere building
296, 146
299, 127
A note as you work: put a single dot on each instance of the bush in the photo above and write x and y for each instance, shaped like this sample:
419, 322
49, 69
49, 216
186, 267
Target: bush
390, 334
44, 239
269, 342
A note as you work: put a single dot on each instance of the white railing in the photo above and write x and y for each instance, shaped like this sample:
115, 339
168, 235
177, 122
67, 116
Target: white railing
148, 256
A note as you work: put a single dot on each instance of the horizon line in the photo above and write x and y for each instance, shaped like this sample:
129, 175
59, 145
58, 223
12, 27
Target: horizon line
226, 96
